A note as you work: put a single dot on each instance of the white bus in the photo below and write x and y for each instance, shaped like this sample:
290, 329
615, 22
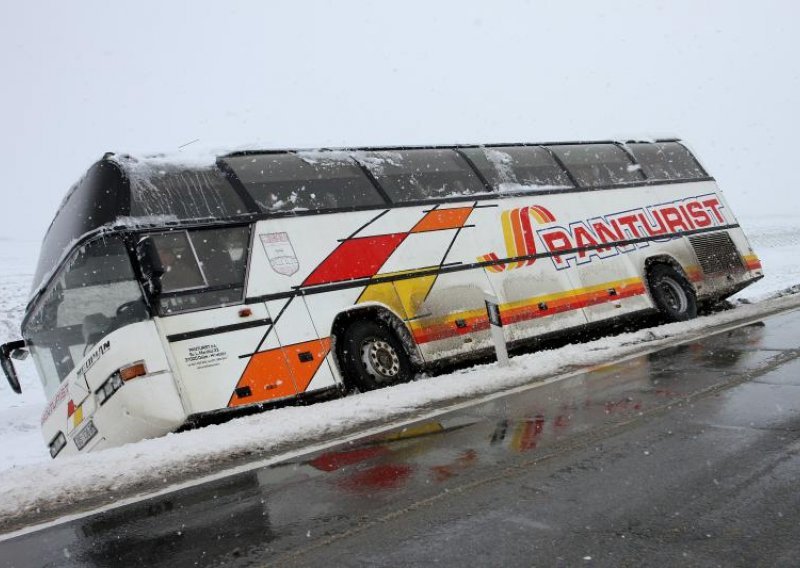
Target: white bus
167, 294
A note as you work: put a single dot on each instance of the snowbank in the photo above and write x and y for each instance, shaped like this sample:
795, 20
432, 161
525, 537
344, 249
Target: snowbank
93, 479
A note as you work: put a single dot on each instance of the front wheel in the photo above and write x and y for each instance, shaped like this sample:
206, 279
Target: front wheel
673, 295
373, 356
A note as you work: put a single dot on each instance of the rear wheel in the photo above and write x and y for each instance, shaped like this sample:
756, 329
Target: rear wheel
372, 356
673, 295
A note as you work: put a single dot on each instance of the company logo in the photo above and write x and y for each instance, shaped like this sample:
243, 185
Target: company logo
582, 241
94, 358
518, 236
280, 253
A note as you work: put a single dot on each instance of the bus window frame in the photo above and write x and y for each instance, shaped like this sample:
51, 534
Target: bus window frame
154, 300
197, 263
459, 157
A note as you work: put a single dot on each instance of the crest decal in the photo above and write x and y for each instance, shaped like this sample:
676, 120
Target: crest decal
280, 253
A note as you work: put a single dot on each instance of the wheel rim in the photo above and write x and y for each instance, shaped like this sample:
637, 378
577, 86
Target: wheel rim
674, 295
380, 359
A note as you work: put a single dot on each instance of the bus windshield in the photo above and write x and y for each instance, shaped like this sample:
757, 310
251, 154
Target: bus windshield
95, 293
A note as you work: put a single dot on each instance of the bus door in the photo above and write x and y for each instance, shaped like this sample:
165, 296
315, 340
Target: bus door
202, 318
294, 358
537, 295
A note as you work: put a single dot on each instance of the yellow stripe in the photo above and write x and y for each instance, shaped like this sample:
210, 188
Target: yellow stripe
573, 292
77, 416
451, 318
538, 216
508, 235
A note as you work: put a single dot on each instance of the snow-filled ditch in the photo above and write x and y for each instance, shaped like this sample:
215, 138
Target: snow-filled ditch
117, 472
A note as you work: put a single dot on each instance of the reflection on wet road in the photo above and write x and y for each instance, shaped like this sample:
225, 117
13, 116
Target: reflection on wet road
686, 455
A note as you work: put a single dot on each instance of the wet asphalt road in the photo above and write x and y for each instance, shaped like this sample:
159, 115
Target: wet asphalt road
688, 456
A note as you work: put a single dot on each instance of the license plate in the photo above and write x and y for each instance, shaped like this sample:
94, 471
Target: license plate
85, 435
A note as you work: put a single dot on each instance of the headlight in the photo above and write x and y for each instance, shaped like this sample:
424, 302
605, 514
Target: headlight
115, 381
108, 388
57, 444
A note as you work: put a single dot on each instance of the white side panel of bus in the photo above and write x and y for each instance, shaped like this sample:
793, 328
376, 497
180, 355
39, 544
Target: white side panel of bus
450, 319
611, 280
323, 309
286, 251
535, 298
211, 365
418, 251
297, 335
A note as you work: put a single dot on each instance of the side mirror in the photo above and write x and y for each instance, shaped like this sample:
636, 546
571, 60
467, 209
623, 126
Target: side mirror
15, 349
150, 263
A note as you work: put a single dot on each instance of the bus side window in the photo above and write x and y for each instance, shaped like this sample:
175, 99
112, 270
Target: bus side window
203, 268
160, 189
519, 168
222, 254
597, 165
666, 161
181, 269
417, 175
305, 181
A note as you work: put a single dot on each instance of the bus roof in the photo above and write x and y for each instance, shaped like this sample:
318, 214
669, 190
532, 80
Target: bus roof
121, 192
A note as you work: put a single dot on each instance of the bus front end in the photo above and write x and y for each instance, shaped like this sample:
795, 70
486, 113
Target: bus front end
99, 354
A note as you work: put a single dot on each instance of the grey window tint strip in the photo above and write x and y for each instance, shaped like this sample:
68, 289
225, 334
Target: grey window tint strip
666, 161
304, 181
182, 193
416, 175
519, 168
596, 165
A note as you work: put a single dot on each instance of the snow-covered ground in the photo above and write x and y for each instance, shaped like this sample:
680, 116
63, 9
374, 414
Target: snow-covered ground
31, 479
19, 414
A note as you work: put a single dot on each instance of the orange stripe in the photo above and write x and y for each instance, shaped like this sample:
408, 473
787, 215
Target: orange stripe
278, 373
545, 213
752, 262
537, 215
567, 302
439, 219
519, 241
527, 235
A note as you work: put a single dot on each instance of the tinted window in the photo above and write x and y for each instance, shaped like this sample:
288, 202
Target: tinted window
181, 193
97, 199
666, 160
305, 181
181, 267
513, 168
202, 268
594, 165
94, 294
414, 175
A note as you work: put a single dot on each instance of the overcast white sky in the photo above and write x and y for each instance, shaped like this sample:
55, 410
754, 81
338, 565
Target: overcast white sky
79, 79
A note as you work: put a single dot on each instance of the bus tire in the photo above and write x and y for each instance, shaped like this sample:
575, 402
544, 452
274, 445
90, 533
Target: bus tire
672, 294
372, 356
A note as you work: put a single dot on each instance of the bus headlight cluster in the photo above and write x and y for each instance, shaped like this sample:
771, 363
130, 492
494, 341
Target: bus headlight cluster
57, 444
108, 388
